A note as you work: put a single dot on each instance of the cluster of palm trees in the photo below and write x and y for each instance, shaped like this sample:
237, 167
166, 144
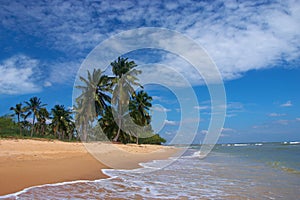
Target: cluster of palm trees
114, 108
117, 105
58, 122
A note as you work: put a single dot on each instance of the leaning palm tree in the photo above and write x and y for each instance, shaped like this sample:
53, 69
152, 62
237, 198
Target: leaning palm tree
34, 105
18, 111
126, 78
139, 110
93, 100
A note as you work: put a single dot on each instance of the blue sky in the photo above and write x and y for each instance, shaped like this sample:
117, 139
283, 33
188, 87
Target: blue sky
255, 45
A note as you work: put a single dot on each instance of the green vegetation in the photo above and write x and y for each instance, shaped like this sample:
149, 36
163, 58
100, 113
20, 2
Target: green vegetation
54, 125
108, 108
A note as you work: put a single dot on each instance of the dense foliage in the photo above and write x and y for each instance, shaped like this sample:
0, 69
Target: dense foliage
34, 120
110, 108
107, 109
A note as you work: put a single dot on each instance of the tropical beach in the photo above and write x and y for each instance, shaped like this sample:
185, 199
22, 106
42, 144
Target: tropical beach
27, 163
70, 172
131, 99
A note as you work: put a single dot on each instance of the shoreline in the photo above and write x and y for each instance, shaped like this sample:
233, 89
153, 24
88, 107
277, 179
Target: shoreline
29, 163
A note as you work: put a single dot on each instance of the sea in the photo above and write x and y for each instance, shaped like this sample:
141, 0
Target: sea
230, 171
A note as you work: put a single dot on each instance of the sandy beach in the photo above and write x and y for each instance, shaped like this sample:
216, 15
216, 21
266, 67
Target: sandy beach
25, 163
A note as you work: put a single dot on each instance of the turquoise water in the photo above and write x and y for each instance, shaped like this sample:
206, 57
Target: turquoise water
235, 171
284, 156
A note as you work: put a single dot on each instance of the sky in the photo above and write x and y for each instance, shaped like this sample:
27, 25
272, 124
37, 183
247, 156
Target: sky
254, 44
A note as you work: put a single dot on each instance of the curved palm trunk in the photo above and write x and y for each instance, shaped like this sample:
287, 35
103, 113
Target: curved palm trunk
119, 123
84, 133
118, 133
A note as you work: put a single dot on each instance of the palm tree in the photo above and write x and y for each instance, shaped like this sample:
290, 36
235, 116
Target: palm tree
126, 78
34, 105
61, 120
42, 117
25, 124
139, 110
139, 107
93, 100
18, 111
81, 118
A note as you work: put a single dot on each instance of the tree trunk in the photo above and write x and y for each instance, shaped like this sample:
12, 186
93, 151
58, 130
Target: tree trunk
32, 126
83, 134
43, 129
19, 125
70, 135
119, 130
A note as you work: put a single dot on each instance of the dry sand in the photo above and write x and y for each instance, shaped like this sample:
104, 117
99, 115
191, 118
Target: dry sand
25, 163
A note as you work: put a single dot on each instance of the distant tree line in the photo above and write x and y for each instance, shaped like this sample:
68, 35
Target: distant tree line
34, 120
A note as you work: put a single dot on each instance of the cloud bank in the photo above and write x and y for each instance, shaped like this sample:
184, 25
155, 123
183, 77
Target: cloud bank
239, 36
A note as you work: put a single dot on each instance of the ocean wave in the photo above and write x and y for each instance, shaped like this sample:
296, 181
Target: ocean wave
293, 142
281, 166
258, 144
241, 145
112, 173
16, 194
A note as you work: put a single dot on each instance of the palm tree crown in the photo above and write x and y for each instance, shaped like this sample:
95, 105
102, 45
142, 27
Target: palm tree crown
93, 100
18, 111
34, 105
61, 120
139, 108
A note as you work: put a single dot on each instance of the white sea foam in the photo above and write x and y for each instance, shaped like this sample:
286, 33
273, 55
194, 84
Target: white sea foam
258, 144
240, 145
12, 195
294, 142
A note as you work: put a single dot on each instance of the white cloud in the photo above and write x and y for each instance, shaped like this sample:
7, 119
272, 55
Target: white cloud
228, 130
276, 114
160, 109
282, 122
287, 104
63, 72
19, 75
201, 107
298, 119
224, 135
47, 84
230, 115
172, 123
204, 132
158, 98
